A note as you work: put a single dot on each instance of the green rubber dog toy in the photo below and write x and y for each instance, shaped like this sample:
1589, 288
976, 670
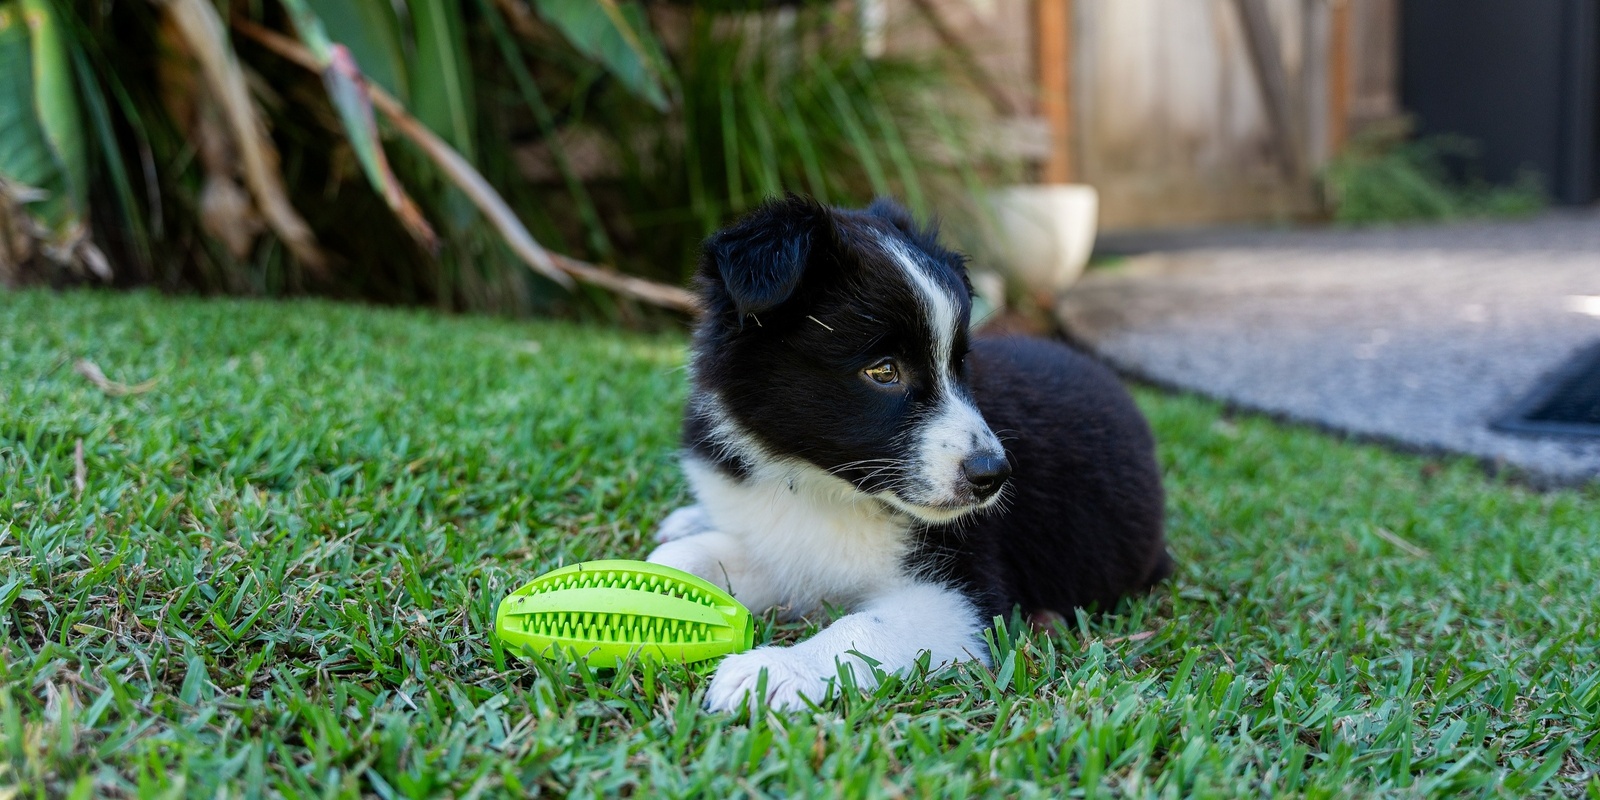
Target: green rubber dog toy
604, 611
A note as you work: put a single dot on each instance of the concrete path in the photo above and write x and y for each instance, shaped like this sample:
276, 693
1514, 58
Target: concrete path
1418, 336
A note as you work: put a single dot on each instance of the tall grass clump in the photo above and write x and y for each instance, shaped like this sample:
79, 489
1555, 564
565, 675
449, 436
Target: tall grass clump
770, 103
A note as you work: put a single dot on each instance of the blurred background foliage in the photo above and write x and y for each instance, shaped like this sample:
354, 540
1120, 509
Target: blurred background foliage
1386, 175
233, 147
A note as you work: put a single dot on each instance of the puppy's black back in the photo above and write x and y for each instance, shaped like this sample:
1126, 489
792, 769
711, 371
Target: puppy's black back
1082, 521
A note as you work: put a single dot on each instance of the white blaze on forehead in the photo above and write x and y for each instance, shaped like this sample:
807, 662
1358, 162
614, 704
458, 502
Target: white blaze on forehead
955, 430
942, 311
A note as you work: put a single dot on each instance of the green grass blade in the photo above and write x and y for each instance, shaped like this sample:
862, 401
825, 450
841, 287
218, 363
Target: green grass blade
727, 117
800, 139
849, 118
441, 84
893, 142
110, 151
762, 118
597, 236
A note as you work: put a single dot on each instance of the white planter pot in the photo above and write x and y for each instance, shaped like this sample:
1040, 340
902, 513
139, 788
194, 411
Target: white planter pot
1043, 234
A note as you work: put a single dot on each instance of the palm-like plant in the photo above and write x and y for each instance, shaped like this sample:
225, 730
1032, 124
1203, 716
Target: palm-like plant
376, 148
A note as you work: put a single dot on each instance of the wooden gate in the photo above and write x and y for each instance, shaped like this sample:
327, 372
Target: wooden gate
1178, 111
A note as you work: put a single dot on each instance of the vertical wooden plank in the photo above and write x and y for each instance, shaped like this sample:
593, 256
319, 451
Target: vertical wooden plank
1262, 41
1054, 61
1374, 61
1339, 77
997, 95
1316, 81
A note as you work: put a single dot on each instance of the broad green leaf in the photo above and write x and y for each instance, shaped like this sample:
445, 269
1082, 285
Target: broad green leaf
617, 36
441, 84
371, 30
25, 153
55, 99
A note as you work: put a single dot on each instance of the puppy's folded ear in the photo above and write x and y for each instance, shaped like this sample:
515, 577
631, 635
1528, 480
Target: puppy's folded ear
757, 263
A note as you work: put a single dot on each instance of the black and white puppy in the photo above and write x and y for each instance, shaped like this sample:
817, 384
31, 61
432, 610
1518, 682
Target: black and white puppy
850, 445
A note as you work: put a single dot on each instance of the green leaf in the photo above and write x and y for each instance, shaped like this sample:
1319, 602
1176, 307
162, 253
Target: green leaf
26, 153
110, 151
344, 80
616, 36
55, 99
441, 91
371, 30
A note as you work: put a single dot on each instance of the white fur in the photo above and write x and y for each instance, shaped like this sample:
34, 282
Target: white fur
686, 521
942, 309
892, 630
796, 549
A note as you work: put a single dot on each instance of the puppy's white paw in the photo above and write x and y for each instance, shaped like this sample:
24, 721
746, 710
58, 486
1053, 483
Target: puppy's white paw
686, 521
696, 555
790, 676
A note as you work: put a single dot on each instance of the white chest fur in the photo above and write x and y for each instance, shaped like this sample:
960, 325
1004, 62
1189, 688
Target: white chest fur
807, 535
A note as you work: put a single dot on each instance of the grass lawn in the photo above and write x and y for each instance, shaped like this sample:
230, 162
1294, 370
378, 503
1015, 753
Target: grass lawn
280, 568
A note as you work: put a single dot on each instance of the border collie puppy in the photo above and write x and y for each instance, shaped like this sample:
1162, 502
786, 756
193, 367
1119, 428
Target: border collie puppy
850, 445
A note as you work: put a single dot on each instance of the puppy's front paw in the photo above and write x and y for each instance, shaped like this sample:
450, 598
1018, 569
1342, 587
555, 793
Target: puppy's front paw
686, 521
790, 677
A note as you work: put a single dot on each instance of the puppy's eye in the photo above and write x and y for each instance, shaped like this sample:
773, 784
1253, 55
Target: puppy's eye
885, 372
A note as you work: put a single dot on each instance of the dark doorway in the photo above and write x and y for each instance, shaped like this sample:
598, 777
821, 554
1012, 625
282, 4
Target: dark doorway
1517, 76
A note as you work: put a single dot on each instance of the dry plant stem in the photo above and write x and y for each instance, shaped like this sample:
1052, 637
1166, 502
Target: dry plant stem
554, 266
202, 29
96, 376
80, 472
520, 17
1398, 541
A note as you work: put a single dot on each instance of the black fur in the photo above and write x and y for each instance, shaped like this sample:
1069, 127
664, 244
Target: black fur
800, 298
1082, 525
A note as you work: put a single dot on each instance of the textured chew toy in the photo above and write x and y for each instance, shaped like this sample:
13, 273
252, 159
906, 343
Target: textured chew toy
604, 610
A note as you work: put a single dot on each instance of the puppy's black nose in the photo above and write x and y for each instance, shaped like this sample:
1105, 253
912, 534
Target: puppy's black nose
985, 473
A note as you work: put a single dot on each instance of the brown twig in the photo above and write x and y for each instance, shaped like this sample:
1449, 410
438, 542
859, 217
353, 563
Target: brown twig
552, 265
1395, 539
92, 371
520, 16
1132, 637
